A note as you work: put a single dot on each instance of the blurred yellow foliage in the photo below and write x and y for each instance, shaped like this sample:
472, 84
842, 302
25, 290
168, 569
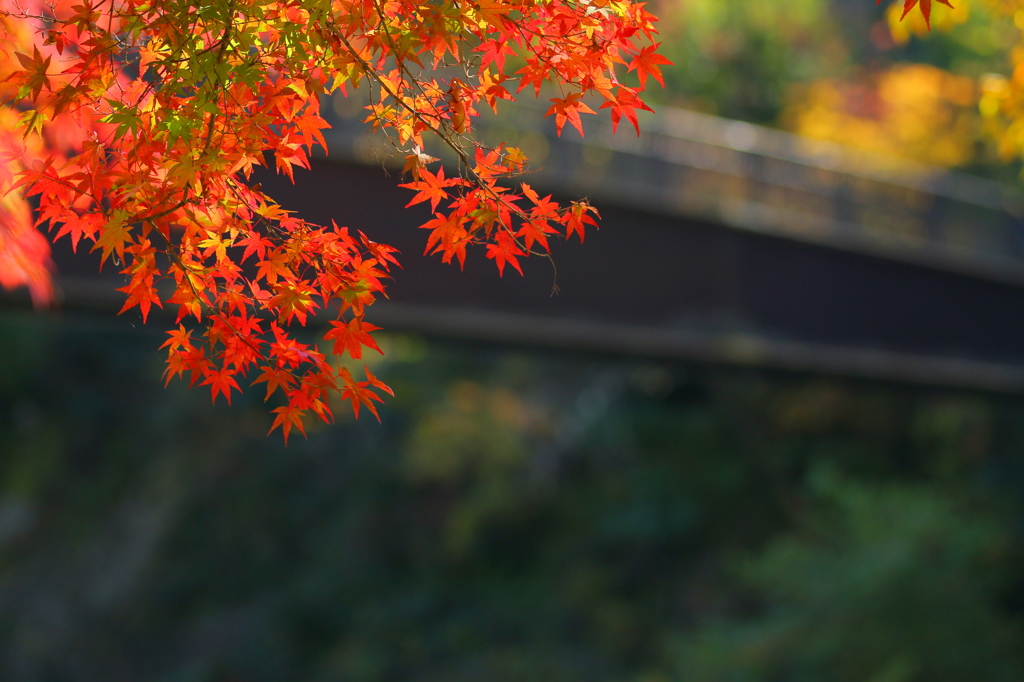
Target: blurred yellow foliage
1002, 106
1001, 98
915, 111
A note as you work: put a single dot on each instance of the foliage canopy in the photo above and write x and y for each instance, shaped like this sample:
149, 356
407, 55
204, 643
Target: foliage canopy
143, 119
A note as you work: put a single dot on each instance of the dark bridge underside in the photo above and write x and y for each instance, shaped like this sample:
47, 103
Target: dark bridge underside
653, 285
650, 284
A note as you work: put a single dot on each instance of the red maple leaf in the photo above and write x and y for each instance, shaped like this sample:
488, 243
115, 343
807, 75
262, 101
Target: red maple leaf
505, 251
431, 187
926, 9
221, 381
287, 417
568, 109
351, 336
646, 63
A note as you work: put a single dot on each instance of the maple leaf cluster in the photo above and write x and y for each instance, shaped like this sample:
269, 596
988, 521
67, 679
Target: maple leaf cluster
134, 126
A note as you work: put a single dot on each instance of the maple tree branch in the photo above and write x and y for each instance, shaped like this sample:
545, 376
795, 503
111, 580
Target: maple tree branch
199, 95
212, 313
460, 152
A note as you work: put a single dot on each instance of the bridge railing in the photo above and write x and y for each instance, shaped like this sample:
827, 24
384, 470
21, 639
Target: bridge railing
754, 178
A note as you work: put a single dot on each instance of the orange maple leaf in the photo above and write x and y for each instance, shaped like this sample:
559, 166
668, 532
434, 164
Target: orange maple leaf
275, 378
352, 336
568, 109
221, 381
431, 187
505, 251
287, 416
646, 63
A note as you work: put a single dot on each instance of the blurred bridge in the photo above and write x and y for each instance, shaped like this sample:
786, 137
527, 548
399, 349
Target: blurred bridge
720, 242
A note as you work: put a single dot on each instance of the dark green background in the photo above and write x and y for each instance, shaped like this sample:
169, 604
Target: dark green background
517, 515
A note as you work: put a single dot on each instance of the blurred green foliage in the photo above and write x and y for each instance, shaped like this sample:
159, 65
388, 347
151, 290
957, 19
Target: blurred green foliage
886, 583
516, 516
738, 59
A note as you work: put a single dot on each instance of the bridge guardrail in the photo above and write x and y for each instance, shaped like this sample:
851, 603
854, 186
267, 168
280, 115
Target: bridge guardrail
753, 178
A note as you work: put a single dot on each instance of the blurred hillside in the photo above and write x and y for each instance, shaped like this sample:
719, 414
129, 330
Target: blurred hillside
517, 515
